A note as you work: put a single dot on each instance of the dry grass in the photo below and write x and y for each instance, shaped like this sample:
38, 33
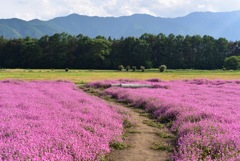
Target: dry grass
83, 76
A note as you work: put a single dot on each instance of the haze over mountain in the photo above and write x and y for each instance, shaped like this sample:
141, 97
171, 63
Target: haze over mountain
219, 24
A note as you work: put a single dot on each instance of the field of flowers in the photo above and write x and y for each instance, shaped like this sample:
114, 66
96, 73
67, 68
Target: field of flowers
44, 120
205, 115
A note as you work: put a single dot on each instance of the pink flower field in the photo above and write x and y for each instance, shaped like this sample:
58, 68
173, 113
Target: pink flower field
205, 115
43, 120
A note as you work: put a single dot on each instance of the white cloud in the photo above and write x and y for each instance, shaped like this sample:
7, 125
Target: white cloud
47, 9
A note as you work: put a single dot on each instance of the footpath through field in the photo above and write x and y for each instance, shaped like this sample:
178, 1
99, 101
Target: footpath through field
143, 139
146, 140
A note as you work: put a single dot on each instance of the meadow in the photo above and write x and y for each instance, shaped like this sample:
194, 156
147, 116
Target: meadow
204, 114
84, 76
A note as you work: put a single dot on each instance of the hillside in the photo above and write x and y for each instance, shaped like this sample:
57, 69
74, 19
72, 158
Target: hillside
220, 24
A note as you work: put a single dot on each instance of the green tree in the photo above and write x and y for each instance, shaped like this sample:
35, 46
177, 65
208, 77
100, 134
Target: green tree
159, 50
3, 43
12, 57
207, 57
117, 53
96, 54
31, 53
71, 48
54, 50
141, 54
171, 52
220, 53
232, 62
81, 50
192, 51
178, 55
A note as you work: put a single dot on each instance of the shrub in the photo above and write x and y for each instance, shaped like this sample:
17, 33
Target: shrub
232, 62
66, 69
134, 68
120, 67
162, 68
148, 64
142, 68
127, 68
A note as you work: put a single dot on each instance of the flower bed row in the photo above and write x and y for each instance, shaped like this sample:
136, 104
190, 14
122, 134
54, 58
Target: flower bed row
204, 114
43, 120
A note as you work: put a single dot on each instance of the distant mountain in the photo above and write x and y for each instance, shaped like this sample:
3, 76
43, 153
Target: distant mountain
220, 24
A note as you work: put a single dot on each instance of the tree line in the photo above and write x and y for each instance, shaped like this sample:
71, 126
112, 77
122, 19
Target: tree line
82, 52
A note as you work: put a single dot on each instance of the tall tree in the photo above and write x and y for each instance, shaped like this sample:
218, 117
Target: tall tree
31, 53
220, 53
3, 43
55, 48
178, 55
192, 51
97, 51
159, 51
12, 54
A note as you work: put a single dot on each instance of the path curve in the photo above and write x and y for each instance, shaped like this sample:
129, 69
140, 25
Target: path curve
140, 137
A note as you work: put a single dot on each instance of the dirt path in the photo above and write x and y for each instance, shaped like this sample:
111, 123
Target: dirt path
143, 138
147, 140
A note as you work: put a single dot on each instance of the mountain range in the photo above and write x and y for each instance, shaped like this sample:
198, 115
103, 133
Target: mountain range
216, 24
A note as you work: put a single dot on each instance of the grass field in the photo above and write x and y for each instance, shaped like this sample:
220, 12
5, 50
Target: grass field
84, 76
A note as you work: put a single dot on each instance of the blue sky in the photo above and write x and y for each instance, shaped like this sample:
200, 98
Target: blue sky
47, 9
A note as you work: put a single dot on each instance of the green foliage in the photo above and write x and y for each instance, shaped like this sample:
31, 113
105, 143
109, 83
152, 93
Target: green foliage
142, 68
131, 131
148, 64
169, 124
145, 114
82, 52
127, 123
153, 123
127, 68
120, 67
166, 119
162, 68
118, 145
103, 158
161, 146
134, 68
66, 69
232, 62
164, 135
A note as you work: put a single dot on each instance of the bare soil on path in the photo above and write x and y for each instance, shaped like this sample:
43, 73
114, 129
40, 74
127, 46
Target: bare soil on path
146, 140
141, 139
